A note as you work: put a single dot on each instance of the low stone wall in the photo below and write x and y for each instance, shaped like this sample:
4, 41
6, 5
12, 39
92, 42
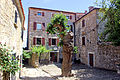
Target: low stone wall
107, 57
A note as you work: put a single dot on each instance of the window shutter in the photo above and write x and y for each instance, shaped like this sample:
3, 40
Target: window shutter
70, 17
43, 41
57, 41
34, 40
34, 26
49, 41
43, 14
43, 26
52, 15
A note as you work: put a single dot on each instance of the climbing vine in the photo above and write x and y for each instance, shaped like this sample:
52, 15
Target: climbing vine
8, 62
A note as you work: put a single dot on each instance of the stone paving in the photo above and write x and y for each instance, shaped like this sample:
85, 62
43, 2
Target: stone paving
81, 72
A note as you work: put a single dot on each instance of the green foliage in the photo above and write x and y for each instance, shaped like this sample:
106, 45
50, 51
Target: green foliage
53, 28
111, 11
75, 49
37, 50
8, 62
26, 55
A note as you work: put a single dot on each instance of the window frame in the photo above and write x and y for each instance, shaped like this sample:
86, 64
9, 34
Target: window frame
55, 42
83, 41
16, 15
37, 26
83, 23
37, 41
38, 13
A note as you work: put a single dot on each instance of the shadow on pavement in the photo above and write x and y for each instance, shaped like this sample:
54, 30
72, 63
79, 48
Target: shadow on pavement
38, 78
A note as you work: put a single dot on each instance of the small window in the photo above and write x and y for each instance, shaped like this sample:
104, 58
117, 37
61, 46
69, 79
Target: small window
83, 23
53, 41
39, 13
68, 17
83, 40
39, 26
38, 41
16, 17
22, 32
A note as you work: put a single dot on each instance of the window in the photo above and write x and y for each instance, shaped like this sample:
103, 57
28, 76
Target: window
83, 40
53, 41
39, 13
39, 26
83, 23
38, 41
16, 17
67, 27
22, 32
68, 17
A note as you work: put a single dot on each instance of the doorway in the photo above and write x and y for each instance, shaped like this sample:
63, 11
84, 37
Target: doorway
53, 56
91, 59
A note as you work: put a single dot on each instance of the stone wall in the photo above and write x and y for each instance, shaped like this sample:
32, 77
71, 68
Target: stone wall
107, 56
9, 33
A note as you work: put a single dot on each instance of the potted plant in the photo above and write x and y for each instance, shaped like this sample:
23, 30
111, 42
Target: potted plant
8, 62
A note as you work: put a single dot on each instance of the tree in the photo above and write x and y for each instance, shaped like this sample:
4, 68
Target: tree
35, 54
111, 12
58, 26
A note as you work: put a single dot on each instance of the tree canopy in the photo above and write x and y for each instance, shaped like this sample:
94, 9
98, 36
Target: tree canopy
111, 11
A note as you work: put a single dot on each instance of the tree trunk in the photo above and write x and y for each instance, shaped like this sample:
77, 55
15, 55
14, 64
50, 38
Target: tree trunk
67, 55
6, 75
35, 60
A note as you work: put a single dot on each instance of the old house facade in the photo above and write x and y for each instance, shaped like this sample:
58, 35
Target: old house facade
12, 26
92, 51
37, 23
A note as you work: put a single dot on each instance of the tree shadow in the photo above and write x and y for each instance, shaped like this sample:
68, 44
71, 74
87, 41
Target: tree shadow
38, 78
84, 72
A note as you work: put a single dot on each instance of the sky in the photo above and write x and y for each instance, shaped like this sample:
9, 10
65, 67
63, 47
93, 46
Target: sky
65, 5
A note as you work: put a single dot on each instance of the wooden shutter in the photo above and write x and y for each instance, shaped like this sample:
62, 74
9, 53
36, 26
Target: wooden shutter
34, 26
34, 40
70, 17
57, 41
49, 41
43, 26
83, 23
43, 41
43, 14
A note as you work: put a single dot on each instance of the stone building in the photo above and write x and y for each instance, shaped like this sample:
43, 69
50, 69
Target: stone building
38, 19
92, 51
12, 26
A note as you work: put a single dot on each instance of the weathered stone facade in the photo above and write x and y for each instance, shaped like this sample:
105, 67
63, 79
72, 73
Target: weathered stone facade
89, 31
108, 57
45, 17
11, 32
91, 53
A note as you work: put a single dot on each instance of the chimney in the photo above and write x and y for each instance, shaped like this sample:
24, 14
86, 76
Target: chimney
85, 11
91, 7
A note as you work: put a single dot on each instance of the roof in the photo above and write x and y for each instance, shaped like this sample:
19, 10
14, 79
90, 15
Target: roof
55, 10
22, 12
86, 14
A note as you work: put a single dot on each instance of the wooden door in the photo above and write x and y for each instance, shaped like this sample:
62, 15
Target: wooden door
91, 62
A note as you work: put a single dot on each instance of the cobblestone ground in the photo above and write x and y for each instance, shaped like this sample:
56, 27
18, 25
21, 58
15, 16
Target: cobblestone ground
81, 72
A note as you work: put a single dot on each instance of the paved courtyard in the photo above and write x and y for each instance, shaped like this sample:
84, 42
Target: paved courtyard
81, 72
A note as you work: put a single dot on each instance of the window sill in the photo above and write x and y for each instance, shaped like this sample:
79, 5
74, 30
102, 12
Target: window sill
15, 25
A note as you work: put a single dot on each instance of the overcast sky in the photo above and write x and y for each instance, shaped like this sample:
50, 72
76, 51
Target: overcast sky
65, 5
